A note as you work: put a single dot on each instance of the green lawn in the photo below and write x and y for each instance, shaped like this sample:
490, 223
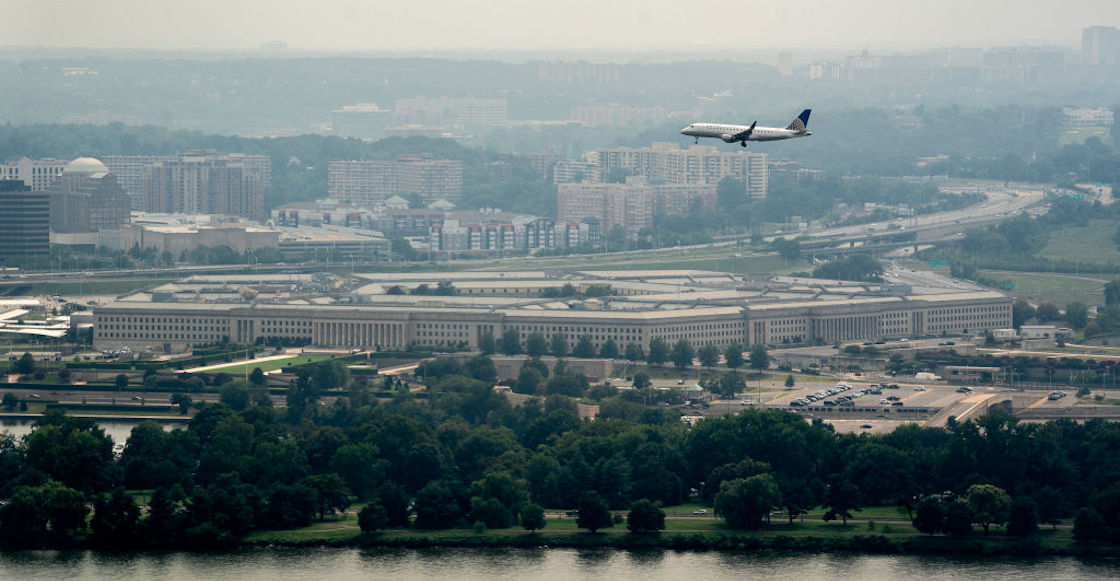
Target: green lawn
1058, 289
1077, 136
1087, 244
243, 367
108, 287
679, 523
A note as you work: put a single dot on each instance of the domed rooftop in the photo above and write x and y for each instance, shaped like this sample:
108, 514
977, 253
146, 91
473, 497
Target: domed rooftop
86, 165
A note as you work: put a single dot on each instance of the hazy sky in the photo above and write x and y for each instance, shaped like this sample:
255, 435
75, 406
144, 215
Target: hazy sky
410, 25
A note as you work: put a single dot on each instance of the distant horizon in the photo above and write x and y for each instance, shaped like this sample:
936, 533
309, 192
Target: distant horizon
422, 27
762, 55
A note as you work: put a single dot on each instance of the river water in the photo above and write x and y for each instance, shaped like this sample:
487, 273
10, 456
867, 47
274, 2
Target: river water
312, 564
119, 430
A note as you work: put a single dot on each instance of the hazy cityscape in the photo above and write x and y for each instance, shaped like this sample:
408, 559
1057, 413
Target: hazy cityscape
552, 291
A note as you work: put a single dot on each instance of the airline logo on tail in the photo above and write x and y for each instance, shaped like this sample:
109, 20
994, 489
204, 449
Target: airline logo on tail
802, 120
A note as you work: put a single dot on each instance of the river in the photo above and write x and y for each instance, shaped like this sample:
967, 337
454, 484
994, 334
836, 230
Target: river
311, 564
119, 430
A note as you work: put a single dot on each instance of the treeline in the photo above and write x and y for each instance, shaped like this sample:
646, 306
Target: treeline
465, 456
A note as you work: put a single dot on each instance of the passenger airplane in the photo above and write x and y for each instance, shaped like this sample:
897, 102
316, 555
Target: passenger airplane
743, 133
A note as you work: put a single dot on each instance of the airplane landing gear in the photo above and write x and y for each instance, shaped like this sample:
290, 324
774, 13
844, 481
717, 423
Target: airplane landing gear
743, 143
696, 140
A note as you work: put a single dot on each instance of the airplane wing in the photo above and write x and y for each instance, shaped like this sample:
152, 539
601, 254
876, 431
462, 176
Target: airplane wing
745, 135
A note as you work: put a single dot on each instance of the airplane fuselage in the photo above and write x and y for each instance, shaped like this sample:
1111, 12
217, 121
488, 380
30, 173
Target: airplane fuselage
728, 132
744, 133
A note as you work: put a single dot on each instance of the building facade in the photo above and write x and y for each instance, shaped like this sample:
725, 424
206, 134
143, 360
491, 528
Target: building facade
368, 183
203, 184
25, 222
130, 170
699, 164
703, 308
37, 174
87, 198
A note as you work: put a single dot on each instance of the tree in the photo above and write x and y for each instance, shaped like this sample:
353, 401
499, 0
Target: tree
989, 505
842, 498
641, 380
487, 344
682, 354
1077, 314
331, 494
1047, 312
25, 365
511, 342
532, 517
235, 394
584, 347
789, 380
760, 358
746, 502
114, 521
256, 377
481, 368
360, 467
558, 345
930, 516
372, 518
855, 267
733, 356
496, 500
730, 384
1112, 292
609, 350
958, 518
634, 352
1022, 521
658, 352
1089, 525
183, 401
536, 345
528, 381
645, 517
789, 250
708, 355
10, 401
121, 381
594, 514
1021, 312
438, 505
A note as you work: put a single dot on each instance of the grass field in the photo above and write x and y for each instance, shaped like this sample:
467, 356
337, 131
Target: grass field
884, 521
1087, 244
1057, 288
247, 367
108, 287
1077, 136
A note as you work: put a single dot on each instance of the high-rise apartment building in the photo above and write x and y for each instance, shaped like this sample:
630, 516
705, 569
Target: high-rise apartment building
367, 183
1100, 46
699, 164
37, 174
631, 206
129, 169
203, 184
25, 222
451, 112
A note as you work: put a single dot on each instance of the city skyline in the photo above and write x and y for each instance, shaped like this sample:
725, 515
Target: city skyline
469, 25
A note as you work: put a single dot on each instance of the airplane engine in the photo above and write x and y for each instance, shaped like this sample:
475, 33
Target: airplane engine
728, 138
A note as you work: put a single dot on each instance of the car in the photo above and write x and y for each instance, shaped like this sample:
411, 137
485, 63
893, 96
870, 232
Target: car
699, 511
919, 388
885, 401
865, 426
571, 513
33, 396
746, 402
964, 390
897, 403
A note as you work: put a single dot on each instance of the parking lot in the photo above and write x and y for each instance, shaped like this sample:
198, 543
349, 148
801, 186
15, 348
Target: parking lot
874, 400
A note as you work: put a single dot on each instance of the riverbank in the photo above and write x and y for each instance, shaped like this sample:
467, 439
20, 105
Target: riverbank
895, 538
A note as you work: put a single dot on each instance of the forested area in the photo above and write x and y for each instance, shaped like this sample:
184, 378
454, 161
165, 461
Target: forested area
463, 455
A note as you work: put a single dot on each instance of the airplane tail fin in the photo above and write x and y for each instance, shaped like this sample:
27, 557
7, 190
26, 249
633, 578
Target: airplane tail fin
801, 121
